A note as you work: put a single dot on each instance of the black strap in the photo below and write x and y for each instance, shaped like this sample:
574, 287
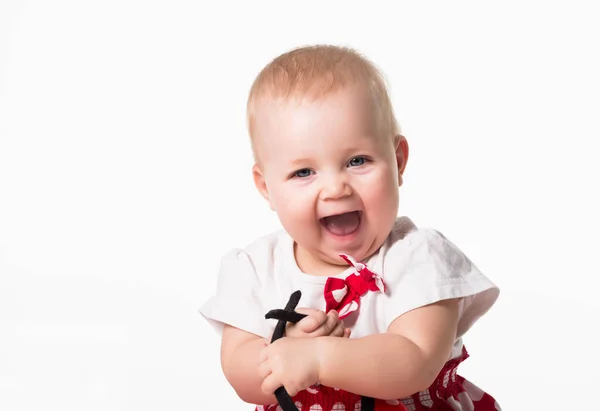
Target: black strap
289, 315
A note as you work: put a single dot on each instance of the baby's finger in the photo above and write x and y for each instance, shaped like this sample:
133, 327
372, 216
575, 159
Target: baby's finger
334, 314
331, 321
270, 384
338, 331
347, 332
313, 320
263, 370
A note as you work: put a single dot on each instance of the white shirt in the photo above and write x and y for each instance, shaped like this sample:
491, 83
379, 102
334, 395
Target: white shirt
418, 266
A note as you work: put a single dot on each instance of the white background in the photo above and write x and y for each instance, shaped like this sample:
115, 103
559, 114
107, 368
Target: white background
125, 175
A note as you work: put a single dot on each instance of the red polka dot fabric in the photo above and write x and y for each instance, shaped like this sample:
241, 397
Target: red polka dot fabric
449, 392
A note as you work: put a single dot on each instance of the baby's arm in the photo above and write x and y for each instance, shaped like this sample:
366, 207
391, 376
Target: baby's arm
239, 358
396, 364
240, 351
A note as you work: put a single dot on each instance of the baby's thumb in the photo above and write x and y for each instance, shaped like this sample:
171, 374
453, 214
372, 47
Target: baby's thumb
313, 320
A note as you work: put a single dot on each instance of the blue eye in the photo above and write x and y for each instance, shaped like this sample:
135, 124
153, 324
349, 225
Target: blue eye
303, 173
357, 161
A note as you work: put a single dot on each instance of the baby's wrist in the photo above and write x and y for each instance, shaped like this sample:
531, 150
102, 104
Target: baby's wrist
323, 348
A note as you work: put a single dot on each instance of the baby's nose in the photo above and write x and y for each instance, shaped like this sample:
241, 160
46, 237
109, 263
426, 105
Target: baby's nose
335, 188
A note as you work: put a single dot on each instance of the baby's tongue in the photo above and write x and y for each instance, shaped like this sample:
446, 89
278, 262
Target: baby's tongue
342, 224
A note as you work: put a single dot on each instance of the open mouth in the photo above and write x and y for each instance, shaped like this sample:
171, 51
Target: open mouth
342, 224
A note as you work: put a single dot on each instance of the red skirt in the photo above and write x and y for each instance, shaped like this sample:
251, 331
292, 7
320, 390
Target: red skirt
449, 392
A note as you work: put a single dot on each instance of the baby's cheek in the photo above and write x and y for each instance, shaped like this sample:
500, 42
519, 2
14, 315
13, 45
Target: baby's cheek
381, 196
292, 201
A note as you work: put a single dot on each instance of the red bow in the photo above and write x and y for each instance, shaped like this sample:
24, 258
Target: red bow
344, 295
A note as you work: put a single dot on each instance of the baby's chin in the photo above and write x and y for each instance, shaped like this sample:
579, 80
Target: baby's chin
335, 259
329, 261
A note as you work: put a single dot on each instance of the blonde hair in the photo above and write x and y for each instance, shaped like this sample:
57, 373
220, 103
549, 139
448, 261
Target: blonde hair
312, 72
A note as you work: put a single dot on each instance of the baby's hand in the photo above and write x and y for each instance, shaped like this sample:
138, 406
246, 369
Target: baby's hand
289, 362
317, 324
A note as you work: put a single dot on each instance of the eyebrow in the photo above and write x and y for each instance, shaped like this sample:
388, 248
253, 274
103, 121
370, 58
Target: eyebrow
301, 161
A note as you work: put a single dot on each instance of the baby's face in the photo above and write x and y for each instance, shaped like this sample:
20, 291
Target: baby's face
331, 179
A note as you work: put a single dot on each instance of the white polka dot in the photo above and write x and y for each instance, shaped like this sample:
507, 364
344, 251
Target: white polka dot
339, 294
278, 408
409, 404
354, 263
446, 379
392, 402
316, 407
348, 308
298, 405
454, 404
425, 398
466, 404
357, 406
474, 391
379, 283
312, 390
338, 406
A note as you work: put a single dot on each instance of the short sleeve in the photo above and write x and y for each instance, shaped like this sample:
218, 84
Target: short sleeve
425, 267
237, 301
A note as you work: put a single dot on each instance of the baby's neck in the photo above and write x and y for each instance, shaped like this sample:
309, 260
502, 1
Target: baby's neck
312, 265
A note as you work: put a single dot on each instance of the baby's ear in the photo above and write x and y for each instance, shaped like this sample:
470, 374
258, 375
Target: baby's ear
401, 146
261, 184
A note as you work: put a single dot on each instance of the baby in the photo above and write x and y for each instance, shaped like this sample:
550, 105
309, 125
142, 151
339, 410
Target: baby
387, 303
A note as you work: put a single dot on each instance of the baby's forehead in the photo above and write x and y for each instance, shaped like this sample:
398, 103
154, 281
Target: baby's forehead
273, 107
301, 122
290, 145
309, 92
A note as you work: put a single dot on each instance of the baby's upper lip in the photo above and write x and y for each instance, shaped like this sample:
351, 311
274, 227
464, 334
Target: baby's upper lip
339, 213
